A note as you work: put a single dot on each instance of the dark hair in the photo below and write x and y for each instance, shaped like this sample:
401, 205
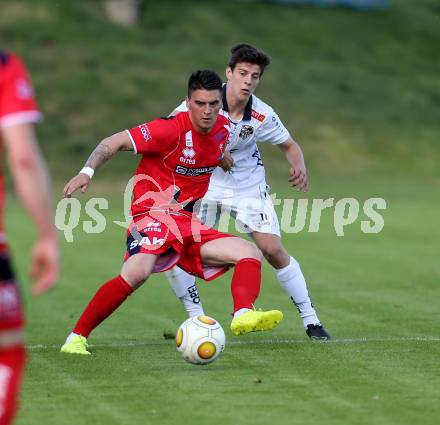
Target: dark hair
243, 52
204, 79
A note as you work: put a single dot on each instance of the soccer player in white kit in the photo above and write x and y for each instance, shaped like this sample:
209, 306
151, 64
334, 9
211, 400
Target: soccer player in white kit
241, 190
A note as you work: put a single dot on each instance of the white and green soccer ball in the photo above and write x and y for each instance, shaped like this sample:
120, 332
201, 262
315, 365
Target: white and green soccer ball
200, 340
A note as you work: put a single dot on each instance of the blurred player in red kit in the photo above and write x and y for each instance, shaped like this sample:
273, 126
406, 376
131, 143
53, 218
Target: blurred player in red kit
18, 114
179, 155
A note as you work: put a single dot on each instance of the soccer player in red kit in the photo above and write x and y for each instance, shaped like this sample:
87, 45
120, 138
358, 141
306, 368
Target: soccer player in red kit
18, 113
179, 155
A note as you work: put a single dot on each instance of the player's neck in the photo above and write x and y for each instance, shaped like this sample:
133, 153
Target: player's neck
236, 107
197, 128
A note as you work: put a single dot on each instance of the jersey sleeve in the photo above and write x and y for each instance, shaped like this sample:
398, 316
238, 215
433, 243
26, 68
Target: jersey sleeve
17, 99
272, 130
154, 136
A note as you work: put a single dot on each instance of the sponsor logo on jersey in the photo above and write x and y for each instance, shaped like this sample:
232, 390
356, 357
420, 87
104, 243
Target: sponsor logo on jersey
153, 226
145, 132
258, 116
187, 160
189, 153
193, 172
147, 241
246, 131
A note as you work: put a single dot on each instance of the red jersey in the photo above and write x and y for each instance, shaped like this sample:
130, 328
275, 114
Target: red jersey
177, 162
17, 103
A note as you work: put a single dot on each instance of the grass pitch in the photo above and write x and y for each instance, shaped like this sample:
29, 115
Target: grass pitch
376, 294
363, 95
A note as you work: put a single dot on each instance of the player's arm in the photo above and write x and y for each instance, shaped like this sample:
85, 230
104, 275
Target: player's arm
32, 184
298, 173
103, 152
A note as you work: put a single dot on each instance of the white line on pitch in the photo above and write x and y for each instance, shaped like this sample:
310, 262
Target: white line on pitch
245, 342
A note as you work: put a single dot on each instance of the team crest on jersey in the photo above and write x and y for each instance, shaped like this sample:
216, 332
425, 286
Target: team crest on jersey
246, 131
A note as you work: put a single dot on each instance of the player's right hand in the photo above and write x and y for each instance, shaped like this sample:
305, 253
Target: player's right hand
298, 178
80, 181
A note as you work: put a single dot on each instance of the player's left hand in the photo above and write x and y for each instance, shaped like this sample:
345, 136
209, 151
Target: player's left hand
227, 162
44, 266
299, 179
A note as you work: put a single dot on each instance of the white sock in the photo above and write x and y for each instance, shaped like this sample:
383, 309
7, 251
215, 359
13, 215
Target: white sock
70, 336
240, 312
184, 286
292, 281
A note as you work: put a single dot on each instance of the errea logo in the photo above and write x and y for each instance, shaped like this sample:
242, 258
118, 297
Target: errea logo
189, 153
153, 226
145, 132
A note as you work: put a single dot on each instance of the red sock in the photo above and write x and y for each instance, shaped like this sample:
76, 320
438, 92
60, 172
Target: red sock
246, 283
12, 362
106, 300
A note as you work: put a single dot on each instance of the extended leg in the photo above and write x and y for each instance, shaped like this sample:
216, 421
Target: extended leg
107, 299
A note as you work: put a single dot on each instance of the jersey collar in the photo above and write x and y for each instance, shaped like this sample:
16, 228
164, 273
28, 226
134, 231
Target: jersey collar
247, 116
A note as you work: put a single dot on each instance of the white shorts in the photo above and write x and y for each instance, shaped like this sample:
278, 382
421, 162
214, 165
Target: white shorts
253, 209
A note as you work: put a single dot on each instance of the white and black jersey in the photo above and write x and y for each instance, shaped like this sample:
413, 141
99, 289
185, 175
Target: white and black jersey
260, 124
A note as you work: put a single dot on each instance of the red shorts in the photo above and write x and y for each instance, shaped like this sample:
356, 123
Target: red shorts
11, 311
176, 238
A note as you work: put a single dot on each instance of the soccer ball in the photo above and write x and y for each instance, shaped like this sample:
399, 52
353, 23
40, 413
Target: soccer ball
200, 340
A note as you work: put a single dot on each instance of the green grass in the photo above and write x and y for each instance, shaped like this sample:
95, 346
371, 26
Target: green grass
377, 295
357, 89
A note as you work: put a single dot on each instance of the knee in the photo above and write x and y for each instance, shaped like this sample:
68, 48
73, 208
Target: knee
134, 279
134, 274
274, 253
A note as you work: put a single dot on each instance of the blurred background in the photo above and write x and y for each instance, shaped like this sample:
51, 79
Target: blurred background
356, 82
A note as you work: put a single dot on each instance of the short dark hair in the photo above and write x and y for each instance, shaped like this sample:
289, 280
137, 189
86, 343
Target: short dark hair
204, 79
243, 52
